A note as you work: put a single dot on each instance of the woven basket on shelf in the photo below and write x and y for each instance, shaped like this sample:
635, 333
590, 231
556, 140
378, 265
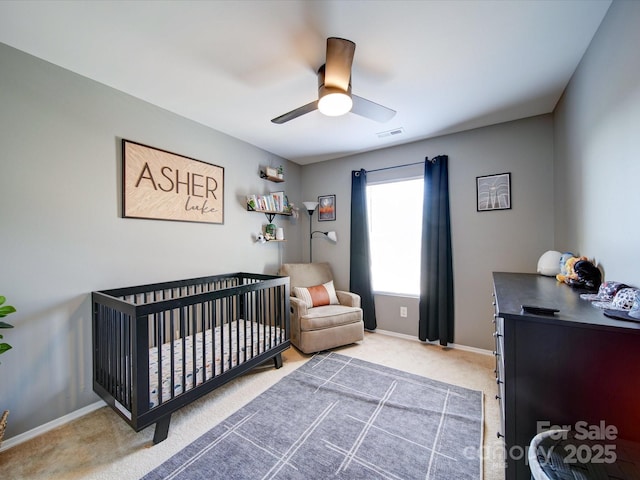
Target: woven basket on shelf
3, 424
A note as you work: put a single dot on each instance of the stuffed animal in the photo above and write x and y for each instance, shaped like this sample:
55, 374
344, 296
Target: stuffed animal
589, 276
563, 261
580, 273
567, 272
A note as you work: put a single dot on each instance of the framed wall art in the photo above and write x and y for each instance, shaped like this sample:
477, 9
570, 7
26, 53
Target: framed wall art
493, 192
161, 185
326, 208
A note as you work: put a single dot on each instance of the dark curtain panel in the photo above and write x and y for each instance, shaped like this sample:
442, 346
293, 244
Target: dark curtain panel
360, 276
436, 269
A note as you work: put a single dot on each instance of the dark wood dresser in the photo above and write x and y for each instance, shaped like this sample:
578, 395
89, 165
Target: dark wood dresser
577, 368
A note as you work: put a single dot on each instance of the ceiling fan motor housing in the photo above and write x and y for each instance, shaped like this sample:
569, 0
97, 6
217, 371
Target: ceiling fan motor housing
329, 88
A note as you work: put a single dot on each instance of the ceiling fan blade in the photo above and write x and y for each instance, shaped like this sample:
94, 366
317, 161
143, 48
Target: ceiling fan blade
372, 110
309, 107
338, 64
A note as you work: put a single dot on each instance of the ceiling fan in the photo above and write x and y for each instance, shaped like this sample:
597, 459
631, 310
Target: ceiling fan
334, 88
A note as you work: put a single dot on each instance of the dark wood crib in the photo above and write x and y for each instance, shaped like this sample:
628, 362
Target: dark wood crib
159, 347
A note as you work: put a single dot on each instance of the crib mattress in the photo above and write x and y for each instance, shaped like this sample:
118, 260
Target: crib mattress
215, 353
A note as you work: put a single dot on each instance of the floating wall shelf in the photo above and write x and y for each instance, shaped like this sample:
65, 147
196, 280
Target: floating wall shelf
269, 213
271, 178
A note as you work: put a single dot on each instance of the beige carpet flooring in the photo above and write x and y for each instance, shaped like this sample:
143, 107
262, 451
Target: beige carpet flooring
102, 446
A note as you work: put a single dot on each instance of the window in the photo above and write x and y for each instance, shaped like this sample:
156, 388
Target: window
395, 231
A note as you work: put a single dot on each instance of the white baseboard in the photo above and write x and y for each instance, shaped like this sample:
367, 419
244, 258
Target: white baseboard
23, 437
481, 351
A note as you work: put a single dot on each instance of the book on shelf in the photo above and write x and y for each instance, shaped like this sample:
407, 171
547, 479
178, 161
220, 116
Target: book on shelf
278, 200
272, 202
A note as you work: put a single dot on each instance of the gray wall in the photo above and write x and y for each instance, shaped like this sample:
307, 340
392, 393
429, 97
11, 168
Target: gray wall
62, 231
506, 240
597, 168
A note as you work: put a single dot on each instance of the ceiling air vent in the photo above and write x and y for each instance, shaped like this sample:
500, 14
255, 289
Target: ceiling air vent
391, 133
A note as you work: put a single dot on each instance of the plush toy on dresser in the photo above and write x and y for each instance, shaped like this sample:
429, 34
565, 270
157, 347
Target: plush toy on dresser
567, 271
580, 272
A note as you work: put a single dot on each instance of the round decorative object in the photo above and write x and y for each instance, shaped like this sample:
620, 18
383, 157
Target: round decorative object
549, 263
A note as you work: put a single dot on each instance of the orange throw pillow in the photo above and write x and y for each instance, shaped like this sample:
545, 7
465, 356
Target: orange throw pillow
317, 295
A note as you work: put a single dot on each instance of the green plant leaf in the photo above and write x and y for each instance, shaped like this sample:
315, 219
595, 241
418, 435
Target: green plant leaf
6, 310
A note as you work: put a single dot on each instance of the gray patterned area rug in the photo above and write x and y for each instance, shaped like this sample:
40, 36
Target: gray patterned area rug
343, 418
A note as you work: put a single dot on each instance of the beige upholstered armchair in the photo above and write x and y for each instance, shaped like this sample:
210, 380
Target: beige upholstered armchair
321, 317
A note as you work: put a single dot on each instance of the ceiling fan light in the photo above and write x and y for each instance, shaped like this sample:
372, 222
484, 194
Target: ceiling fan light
334, 104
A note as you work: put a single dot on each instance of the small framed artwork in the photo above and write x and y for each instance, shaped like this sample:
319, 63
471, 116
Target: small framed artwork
493, 192
326, 208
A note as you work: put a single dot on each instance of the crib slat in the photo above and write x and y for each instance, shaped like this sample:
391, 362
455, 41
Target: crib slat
229, 353
194, 343
159, 343
215, 350
183, 358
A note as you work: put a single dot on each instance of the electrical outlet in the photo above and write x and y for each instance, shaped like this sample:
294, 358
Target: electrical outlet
403, 312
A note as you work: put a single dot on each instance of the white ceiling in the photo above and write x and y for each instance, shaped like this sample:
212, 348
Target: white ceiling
444, 66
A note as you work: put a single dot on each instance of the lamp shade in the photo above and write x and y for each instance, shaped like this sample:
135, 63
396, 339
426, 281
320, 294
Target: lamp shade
310, 206
333, 236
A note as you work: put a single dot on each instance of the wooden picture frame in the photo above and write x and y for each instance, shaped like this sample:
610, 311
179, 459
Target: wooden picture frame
493, 192
326, 208
161, 185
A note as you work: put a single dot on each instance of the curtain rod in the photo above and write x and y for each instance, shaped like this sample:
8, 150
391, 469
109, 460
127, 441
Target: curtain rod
433, 160
395, 166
